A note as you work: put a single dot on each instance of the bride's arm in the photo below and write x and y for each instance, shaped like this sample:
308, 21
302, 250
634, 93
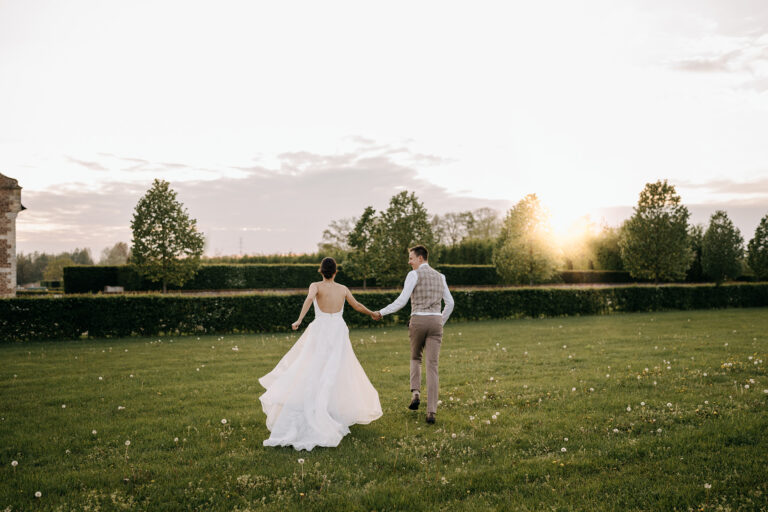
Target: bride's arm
307, 302
356, 305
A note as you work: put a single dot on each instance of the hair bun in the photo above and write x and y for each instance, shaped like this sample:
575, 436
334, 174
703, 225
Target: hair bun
328, 267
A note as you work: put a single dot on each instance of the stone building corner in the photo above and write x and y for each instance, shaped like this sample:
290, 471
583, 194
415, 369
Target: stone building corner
10, 206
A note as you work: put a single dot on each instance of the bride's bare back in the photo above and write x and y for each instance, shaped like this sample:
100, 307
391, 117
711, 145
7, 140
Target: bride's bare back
330, 297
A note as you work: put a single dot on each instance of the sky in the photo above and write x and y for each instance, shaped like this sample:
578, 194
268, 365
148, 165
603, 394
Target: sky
271, 119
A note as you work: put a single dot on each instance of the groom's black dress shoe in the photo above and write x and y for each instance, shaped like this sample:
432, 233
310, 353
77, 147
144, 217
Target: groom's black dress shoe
431, 418
414, 403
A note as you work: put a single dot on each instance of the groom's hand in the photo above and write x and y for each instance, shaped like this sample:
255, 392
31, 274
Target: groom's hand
376, 315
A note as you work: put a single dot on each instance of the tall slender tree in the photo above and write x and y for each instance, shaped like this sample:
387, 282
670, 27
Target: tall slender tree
402, 225
166, 243
757, 250
654, 242
525, 252
359, 263
722, 248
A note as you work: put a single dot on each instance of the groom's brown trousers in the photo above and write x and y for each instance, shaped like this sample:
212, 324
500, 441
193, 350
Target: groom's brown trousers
426, 333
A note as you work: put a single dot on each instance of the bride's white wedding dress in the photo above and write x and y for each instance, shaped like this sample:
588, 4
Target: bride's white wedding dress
318, 389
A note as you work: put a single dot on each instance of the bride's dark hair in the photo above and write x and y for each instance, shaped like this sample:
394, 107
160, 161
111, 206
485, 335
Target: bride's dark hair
328, 267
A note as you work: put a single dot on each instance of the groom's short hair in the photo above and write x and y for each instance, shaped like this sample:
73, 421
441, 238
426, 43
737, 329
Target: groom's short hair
420, 250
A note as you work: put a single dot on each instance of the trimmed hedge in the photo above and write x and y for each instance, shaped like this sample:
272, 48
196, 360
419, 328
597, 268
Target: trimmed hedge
25, 319
92, 279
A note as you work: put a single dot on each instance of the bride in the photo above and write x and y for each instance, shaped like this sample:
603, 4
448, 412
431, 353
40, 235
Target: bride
318, 389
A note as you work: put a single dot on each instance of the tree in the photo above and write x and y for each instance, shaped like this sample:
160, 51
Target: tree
166, 244
402, 225
722, 248
359, 263
118, 254
605, 247
54, 270
525, 252
456, 226
695, 272
757, 250
80, 256
335, 238
485, 224
654, 243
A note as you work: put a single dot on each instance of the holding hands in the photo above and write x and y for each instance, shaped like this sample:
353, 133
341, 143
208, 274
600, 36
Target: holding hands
376, 315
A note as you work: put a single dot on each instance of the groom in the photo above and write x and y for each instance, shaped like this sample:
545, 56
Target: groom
425, 287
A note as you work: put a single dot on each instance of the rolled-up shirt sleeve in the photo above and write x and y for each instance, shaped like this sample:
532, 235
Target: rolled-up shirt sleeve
410, 283
448, 299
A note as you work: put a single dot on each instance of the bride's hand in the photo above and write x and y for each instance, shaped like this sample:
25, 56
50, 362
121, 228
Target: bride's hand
295, 325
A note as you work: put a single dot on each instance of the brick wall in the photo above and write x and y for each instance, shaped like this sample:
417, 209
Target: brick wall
10, 206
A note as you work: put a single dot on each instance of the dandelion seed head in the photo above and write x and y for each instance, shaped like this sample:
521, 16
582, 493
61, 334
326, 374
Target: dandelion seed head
14, 463
38, 494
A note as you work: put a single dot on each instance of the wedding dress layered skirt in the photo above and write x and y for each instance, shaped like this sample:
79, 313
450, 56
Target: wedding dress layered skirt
318, 389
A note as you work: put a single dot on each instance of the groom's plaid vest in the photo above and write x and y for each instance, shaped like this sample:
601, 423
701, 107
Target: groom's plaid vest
428, 292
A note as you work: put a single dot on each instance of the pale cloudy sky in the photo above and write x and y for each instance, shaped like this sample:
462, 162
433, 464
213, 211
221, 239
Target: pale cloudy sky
273, 118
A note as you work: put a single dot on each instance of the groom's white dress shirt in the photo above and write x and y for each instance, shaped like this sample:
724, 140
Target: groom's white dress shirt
410, 283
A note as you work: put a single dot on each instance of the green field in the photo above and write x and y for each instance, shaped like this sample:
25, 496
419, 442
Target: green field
652, 411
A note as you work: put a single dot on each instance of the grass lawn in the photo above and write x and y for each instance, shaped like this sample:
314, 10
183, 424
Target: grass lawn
621, 412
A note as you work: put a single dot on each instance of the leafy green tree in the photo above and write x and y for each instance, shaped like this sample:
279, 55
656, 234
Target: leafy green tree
605, 247
335, 238
359, 263
166, 244
402, 225
485, 224
525, 252
695, 272
54, 270
80, 256
118, 254
757, 250
722, 248
654, 243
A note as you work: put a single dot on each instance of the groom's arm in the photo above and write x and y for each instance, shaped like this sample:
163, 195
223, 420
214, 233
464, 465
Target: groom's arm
448, 299
410, 282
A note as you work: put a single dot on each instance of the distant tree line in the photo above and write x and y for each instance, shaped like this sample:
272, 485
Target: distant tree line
656, 243
41, 266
